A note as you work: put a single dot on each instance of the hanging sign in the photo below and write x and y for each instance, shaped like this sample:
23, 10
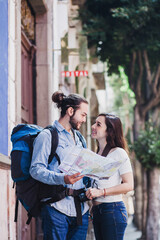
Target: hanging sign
74, 73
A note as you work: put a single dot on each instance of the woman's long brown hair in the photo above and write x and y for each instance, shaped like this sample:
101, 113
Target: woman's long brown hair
115, 136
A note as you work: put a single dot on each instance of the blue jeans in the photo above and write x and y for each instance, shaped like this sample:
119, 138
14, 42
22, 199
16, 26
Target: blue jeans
58, 226
109, 221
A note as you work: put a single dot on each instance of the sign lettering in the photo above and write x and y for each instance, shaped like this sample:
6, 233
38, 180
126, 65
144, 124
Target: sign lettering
74, 73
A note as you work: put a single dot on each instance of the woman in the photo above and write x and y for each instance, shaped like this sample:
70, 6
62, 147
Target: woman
109, 212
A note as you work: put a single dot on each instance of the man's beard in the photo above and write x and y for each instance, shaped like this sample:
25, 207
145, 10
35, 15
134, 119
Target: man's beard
74, 123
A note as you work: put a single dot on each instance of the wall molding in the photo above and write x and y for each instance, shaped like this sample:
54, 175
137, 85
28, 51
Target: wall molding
5, 161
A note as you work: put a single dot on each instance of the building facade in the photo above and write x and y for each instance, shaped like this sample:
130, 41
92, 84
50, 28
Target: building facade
26, 67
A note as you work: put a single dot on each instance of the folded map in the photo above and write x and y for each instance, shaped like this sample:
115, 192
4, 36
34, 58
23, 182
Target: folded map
90, 164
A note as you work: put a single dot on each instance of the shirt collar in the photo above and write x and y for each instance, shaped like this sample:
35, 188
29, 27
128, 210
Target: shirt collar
60, 128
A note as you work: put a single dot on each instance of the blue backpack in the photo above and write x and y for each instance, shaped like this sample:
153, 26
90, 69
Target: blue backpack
29, 191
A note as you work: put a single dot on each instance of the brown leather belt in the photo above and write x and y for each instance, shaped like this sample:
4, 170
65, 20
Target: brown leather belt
95, 203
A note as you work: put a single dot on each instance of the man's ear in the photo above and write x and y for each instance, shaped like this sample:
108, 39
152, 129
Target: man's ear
70, 111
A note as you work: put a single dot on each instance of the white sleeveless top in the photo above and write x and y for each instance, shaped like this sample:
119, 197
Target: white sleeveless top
118, 153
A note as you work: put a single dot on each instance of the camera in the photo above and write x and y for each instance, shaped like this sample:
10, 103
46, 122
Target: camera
83, 197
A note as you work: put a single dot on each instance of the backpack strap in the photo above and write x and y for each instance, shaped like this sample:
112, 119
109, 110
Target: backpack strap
82, 139
86, 181
29, 219
69, 192
16, 210
54, 144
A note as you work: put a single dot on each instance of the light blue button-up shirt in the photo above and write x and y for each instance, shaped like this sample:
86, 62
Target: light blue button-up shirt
50, 174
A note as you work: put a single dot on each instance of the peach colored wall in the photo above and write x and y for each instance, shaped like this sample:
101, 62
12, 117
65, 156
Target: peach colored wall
7, 206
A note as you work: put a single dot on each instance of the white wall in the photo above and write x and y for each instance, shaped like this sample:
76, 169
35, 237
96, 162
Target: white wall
60, 28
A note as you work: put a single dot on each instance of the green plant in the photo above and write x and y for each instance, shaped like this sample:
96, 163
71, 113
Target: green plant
147, 147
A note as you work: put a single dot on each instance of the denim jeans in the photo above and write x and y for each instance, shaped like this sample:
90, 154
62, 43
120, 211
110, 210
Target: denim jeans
58, 226
110, 221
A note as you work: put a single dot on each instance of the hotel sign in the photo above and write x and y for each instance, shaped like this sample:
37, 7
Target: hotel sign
74, 73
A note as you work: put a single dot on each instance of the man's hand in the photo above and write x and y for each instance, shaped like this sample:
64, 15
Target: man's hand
71, 179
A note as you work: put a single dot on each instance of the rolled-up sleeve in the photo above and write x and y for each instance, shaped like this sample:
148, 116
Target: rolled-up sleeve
39, 168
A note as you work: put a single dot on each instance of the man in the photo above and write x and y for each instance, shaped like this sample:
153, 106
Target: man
59, 220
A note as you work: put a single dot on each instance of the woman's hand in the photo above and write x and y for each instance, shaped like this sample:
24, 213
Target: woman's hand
94, 192
71, 179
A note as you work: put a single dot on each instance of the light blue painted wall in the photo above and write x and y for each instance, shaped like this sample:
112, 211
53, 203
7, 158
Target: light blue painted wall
4, 77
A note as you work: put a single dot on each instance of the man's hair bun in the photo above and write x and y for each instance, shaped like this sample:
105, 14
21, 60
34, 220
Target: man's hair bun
58, 98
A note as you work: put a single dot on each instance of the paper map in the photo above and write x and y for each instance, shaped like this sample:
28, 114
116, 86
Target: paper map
90, 164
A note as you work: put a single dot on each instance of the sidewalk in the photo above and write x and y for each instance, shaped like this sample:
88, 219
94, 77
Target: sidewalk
131, 232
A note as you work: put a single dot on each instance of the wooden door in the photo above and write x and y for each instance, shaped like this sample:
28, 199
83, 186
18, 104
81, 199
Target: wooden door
27, 54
